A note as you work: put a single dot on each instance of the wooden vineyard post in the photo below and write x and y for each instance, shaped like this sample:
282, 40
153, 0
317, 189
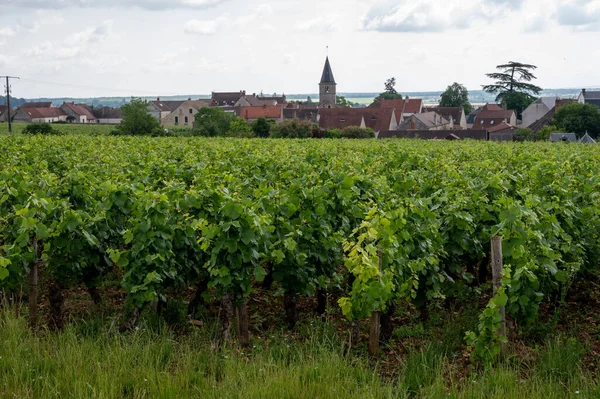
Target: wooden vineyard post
375, 329
242, 324
497, 280
33, 286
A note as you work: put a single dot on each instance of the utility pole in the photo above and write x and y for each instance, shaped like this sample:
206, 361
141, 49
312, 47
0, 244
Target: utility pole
8, 99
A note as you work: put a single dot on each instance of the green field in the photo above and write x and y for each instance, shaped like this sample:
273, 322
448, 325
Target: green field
280, 252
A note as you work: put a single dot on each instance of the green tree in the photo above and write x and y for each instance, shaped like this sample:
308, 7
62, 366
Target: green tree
578, 118
261, 127
137, 121
291, 129
513, 77
341, 100
309, 100
240, 128
390, 86
212, 122
524, 134
456, 95
390, 92
518, 102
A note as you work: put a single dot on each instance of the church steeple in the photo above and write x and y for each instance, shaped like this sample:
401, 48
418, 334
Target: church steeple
327, 76
327, 87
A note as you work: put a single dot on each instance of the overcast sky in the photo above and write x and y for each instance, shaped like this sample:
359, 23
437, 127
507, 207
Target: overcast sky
161, 47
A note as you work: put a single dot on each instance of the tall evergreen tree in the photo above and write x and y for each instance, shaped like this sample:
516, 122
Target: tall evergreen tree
514, 77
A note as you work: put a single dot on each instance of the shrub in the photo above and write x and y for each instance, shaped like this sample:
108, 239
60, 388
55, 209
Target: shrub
40, 128
240, 128
261, 127
137, 121
333, 134
212, 122
355, 132
291, 129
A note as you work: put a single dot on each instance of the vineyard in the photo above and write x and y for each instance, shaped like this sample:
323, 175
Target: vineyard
379, 224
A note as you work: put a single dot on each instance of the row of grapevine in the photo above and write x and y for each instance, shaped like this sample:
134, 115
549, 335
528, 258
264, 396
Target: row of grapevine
223, 214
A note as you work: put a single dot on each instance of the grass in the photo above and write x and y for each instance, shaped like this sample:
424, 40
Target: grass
90, 359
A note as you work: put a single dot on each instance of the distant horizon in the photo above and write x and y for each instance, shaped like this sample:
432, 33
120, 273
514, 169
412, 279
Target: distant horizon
295, 96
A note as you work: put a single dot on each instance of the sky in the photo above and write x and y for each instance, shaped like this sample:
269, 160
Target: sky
95, 48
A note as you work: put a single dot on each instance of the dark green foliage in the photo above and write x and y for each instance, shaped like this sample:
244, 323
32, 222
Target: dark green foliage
137, 121
212, 122
40, 128
524, 134
292, 129
261, 127
341, 100
355, 132
513, 77
390, 92
240, 128
517, 101
456, 95
333, 134
578, 118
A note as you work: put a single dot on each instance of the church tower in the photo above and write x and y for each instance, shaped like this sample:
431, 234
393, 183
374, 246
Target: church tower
327, 92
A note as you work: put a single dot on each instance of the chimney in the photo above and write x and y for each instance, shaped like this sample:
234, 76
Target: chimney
583, 92
157, 98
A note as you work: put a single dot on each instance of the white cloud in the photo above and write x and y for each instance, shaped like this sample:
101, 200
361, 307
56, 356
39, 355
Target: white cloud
319, 24
208, 27
144, 4
212, 26
431, 16
581, 15
91, 35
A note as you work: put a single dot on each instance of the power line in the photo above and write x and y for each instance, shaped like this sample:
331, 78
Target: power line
8, 100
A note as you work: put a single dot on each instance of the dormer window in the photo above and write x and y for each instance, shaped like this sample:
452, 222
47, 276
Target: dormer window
343, 120
492, 122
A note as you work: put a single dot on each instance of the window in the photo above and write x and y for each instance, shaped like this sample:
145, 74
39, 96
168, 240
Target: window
482, 121
180, 111
492, 122
186, 120
177, 120
191, 111
342, 120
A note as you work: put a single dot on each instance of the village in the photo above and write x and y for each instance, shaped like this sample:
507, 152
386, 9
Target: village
402, 117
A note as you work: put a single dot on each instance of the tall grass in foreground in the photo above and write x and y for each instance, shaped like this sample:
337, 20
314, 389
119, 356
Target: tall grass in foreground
92, 360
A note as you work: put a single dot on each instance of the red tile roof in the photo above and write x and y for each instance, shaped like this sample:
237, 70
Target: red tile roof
340, 118
273, 112
407, 106
45, 104
38, 113
492, 107
81, 110
500, 127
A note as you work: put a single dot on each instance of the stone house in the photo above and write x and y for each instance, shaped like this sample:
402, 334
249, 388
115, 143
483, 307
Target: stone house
502, 132
78, 113
492, 115
185, 114
226, 99
456, 115
161, 109
589, 97
40, 115
108, 116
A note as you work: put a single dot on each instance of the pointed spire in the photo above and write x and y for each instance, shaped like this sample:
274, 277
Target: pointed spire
327, 76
